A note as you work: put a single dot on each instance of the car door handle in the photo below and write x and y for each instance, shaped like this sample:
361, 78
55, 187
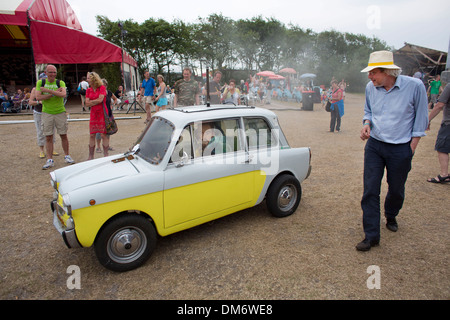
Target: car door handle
249, 159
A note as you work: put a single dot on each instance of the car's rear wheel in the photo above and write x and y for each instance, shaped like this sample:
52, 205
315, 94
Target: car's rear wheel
125, 243
283, 196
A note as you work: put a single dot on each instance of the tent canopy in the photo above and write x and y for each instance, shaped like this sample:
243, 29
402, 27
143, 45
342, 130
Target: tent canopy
50, 45
15, 12
46, 26
412, 58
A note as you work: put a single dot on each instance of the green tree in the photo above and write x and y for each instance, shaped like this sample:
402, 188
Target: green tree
130, 34
298, 49
245, 45
214, 36
259, 42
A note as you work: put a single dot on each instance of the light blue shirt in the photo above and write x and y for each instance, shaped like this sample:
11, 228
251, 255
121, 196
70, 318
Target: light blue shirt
397, 115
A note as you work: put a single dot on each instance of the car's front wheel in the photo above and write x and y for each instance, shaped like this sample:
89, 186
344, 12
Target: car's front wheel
283, 196
125, 243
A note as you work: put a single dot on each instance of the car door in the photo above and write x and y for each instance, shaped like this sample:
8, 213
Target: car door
263, 145
209, 174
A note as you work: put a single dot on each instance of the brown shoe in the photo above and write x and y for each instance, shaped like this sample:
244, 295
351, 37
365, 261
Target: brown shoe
365, 245
391, 224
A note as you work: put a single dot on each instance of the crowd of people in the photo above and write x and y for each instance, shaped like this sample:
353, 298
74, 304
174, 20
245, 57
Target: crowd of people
227, 94
49, 112
47, 100
16, 102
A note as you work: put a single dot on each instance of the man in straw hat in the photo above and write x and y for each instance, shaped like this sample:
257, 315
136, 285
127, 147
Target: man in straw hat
395, 118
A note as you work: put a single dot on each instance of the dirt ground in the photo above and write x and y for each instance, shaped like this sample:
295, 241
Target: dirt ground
247, 255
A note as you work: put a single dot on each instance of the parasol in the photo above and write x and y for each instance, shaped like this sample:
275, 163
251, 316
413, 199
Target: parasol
265, 73
308, 75
288, 70
276, 77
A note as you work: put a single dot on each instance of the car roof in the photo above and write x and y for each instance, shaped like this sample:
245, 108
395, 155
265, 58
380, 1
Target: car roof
182, 115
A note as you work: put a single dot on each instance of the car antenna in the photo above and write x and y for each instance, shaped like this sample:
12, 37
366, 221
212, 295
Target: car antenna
207, 87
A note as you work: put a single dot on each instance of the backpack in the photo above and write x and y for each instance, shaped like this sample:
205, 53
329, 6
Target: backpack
57, 84
81, 90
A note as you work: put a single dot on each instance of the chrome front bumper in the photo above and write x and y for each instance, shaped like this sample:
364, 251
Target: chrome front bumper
67, 230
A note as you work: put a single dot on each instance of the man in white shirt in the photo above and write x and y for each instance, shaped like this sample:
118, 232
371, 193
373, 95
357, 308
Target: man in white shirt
83, 86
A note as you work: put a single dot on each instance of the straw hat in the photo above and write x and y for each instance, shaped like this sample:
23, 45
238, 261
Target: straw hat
381, 59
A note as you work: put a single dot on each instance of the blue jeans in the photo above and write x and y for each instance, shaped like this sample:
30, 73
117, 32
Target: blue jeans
396, 158
335, 120
5, 106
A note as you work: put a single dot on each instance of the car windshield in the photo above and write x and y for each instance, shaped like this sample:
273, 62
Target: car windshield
155, 140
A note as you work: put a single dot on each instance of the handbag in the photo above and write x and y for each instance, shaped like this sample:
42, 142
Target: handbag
81, 90
110, 123
328, 106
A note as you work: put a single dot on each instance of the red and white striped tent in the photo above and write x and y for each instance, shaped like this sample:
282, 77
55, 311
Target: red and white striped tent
52, 32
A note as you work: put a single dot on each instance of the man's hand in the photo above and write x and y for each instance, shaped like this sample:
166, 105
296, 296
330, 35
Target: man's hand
414, 143
365, 132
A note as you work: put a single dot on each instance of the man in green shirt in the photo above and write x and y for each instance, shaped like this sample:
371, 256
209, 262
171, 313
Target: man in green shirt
434, 90
52, 95
186, 90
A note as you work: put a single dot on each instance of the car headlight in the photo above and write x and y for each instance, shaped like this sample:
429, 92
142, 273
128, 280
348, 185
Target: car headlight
53, 180
66, 204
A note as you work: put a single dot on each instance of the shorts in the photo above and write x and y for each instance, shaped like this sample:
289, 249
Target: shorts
161, 102
148, 99
434, 98
52, 121
443, 139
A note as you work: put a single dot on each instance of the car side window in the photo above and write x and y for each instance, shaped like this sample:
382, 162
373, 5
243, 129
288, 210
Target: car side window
183, 146
258, 134
216, 137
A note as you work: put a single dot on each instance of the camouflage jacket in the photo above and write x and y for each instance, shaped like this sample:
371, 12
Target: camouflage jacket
186, 92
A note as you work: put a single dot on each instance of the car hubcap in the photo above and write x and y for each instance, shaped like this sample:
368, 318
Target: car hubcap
287, 197
127, 245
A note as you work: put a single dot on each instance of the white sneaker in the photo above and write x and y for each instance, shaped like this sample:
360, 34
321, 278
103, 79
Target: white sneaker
68, 159
50, 163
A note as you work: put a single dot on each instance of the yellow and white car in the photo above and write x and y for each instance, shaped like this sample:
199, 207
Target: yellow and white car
190, 165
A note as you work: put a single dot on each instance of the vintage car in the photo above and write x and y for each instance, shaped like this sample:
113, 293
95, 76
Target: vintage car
189, 166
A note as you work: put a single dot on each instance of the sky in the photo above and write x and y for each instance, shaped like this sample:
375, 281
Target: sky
393, 21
